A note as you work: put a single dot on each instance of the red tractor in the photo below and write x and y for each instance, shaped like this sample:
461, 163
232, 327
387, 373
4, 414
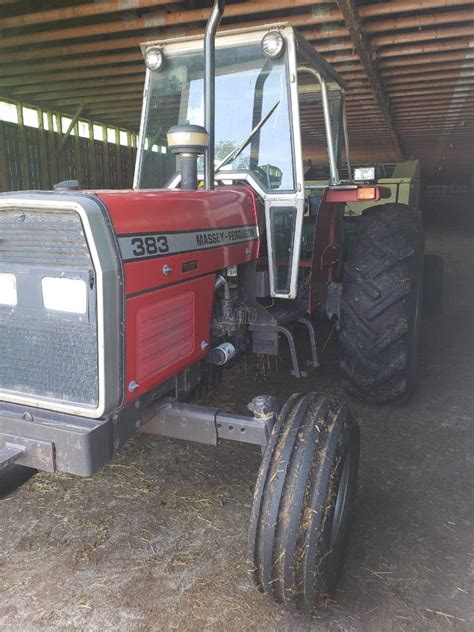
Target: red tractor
116, 305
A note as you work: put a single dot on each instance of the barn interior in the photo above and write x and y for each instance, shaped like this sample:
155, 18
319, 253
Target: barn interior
157, 540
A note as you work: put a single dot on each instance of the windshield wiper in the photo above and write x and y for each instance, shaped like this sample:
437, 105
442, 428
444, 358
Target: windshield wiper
238, 150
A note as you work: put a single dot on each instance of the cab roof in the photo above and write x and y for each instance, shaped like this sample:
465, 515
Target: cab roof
303, 48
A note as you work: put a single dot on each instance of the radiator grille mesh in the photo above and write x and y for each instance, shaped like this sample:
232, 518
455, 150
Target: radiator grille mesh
42, 238
46, 354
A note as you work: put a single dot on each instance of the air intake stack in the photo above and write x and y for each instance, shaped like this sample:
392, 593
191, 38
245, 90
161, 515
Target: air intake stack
210, 87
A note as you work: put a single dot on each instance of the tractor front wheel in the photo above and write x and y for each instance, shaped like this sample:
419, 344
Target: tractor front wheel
303, 501
381, 304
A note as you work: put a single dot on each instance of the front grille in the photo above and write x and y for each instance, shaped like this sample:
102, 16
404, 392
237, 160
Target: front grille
46, 354
42, 238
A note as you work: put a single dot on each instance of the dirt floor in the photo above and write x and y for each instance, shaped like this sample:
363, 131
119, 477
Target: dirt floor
158, 539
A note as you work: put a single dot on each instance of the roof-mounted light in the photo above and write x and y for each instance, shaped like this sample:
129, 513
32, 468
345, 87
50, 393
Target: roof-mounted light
154, 58
273, 44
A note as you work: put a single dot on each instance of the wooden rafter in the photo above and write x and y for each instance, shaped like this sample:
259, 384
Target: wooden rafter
362, 46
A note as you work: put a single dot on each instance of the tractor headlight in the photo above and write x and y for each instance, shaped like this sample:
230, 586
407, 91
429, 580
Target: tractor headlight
64, 295
273, 44
364, 173
154, 59
8, 289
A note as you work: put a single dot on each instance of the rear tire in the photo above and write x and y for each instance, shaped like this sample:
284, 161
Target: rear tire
381, 304
303, 501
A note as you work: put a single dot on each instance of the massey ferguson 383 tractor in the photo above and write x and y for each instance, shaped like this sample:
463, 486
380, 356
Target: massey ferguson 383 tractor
116, 305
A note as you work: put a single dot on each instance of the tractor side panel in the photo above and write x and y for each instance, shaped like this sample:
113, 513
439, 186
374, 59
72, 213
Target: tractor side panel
167, 330
172, 244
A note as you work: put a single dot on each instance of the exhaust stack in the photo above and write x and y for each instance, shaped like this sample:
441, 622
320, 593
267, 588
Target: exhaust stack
210, 88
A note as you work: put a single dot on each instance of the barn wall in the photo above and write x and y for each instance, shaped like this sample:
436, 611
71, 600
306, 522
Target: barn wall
29, 159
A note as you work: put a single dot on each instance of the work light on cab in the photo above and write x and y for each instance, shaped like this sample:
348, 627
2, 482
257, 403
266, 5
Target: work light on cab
364, 174
154, 59
273, 44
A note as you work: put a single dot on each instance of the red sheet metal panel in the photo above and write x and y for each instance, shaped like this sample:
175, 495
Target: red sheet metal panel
164, 210
165, 334
167, 331
168, 236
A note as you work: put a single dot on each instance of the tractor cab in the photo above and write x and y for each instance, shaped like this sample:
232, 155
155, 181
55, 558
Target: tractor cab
279, 123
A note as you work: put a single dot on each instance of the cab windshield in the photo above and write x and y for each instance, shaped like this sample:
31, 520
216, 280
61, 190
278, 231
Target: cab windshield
248, 87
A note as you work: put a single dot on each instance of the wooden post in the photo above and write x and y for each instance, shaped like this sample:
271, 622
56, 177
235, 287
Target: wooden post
131, 164
118, 163
4, 179
77, 156
63, 174
53, 164
105, 158
43, 152
25, 173
92, 157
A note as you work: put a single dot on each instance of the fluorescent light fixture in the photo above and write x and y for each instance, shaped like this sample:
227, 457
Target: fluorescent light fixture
364, 173
64, 295
8, 294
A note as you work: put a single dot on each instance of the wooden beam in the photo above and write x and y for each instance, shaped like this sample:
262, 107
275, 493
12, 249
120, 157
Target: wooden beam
4, 180
74, 12
118, 159
399, 6
72, 124
66, 63
131, 162
362, 46
105, 159
43, 152
427, 35
98, 90
101, 110
449, 66
423, 48
409, 94
76, 86
97, 99
422, 60
92, 156
162, 19
52, 161
120, 116
441, 77
59, 53
23, 147
433, 102
432, 19
77, 156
